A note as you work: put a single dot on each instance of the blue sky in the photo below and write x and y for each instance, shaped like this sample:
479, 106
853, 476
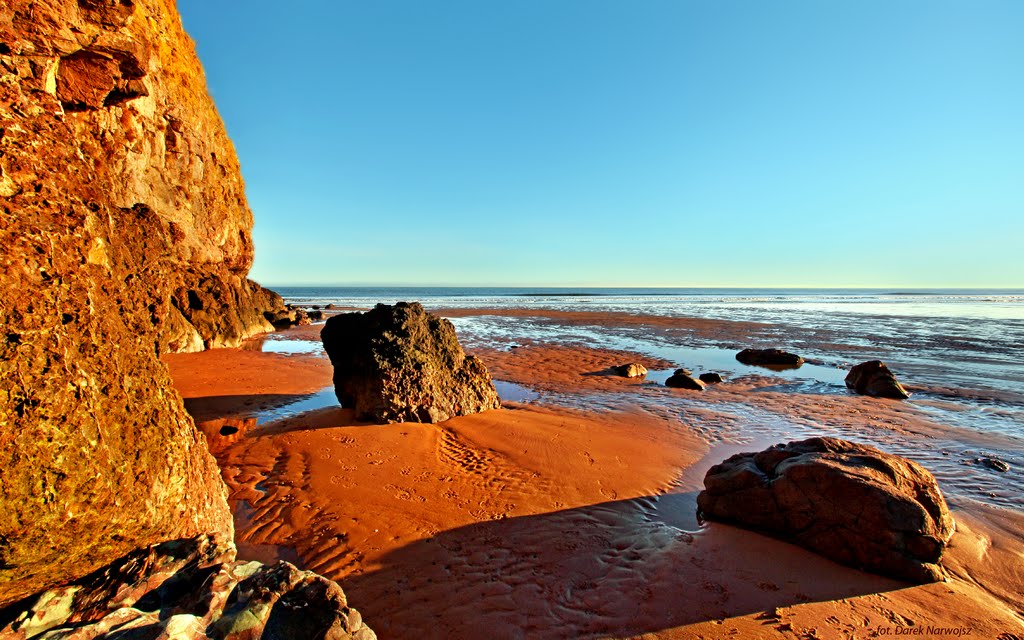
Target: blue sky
627, 143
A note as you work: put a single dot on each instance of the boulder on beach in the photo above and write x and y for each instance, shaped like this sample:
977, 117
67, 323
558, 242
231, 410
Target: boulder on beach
302, 317
401, 364
711, 378
315, 315
769, 357
849, 502
873, 378
682, 379
191, 588
631, 370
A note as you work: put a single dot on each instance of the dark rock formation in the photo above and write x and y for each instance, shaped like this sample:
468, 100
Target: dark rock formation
219, 312
125, 233
873, 378
995, 464
189, 589
850, 502
401, 364
710, 378
631, 370
769, 357
682, 379
315, 315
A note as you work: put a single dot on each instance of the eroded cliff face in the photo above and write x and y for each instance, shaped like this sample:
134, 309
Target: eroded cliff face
124, 233
106, 106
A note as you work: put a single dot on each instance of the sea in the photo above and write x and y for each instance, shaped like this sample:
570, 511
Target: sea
961, 352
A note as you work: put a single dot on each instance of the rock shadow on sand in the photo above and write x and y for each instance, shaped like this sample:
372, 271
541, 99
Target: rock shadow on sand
615, 569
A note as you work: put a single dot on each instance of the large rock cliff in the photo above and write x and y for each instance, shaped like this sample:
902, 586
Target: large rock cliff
125, 233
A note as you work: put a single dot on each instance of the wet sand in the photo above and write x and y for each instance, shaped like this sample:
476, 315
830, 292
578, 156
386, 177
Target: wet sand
564, 520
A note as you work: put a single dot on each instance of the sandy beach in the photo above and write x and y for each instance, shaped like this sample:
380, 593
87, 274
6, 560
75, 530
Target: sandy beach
570, 513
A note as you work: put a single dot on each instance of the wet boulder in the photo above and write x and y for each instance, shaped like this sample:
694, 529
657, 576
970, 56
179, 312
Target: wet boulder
401, 364
849, 502
995, 464
873, 378
711, 378
769, 357
631, 370
682, 379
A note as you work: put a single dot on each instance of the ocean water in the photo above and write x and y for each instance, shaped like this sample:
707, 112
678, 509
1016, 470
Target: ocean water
955, 338
961, 352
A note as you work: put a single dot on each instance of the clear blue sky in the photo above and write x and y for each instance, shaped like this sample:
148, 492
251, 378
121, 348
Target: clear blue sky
626, 143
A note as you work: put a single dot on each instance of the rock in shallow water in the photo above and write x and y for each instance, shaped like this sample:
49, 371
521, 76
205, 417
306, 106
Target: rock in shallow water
711, 378
188, 589
401, 364
849, 502
682, 379
873, 378
769, 357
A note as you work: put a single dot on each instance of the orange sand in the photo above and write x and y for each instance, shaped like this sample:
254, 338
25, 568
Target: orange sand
537, 522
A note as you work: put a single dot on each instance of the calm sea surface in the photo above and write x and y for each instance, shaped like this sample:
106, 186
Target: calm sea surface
962, 351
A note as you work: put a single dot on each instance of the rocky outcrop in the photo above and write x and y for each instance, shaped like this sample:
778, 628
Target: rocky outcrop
711, 378
850, 502
401, 364
682, 379
188, 589
125, 233
769, 357
630, 370
873, 378
106, 113
219, 311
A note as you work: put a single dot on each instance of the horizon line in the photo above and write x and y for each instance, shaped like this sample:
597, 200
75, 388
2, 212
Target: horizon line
596, 286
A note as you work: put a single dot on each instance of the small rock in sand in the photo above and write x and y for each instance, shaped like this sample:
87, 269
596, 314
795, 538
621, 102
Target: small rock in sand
631, 370
994, 464
681, 379
873, 378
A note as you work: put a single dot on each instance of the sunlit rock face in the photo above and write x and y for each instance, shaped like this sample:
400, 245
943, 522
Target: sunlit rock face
850, 502
125, 234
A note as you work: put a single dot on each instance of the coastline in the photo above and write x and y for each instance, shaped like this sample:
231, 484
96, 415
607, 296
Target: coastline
570, 514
